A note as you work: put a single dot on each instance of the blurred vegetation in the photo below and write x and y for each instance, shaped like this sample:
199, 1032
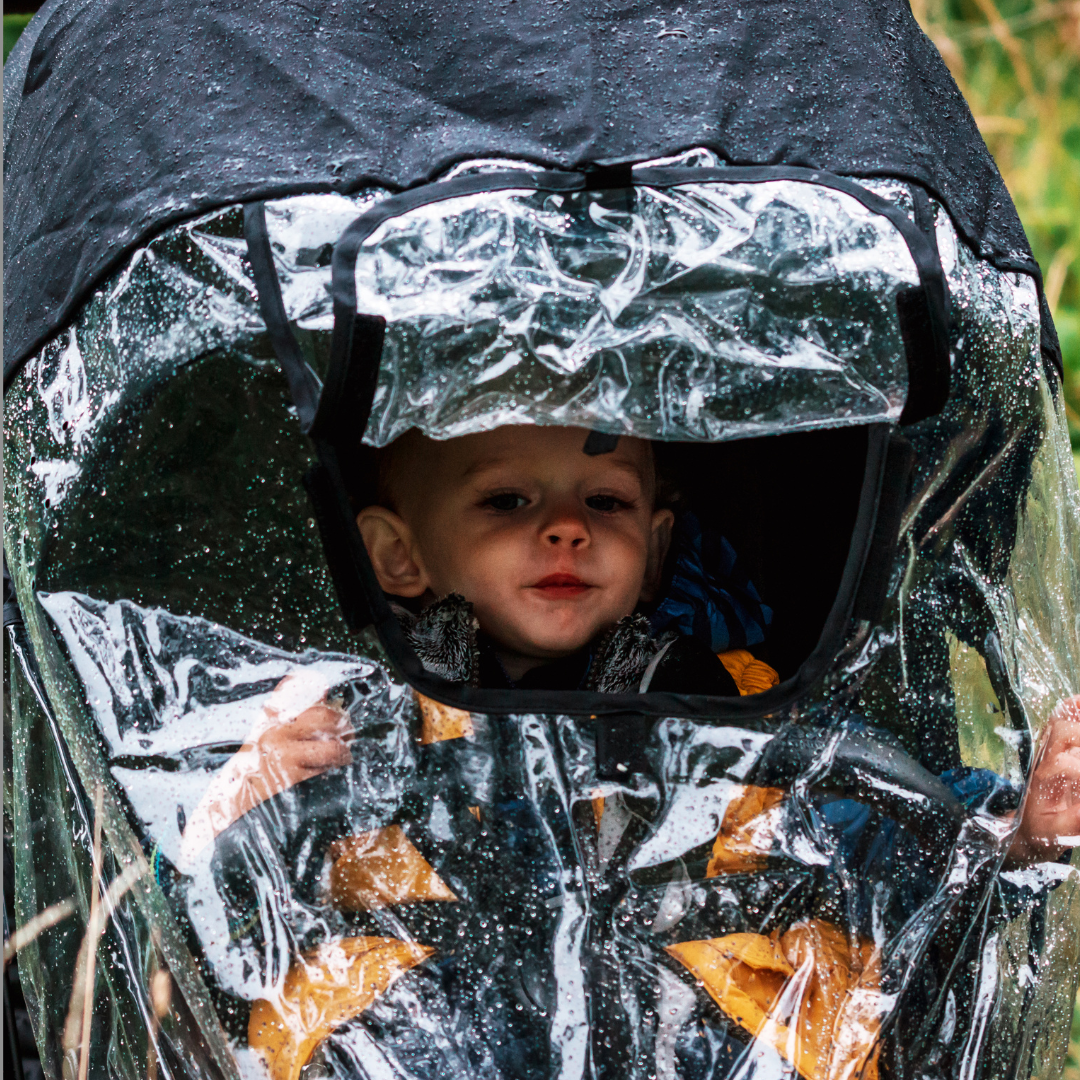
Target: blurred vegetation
1072, 1066
1018, 64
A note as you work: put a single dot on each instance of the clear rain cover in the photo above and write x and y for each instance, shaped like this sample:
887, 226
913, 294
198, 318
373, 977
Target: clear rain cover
704, 312
467, 899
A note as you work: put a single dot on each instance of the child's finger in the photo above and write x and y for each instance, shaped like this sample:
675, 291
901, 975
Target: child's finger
291, 762
1060, 828
317, 724
1061, 771
320, 754
291, 741
320, 718
1065, 740
1063, 728
1068, 827
1068, 711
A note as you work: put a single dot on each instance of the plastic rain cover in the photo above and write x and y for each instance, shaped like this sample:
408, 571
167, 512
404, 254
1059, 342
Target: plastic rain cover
470, 898
708, 311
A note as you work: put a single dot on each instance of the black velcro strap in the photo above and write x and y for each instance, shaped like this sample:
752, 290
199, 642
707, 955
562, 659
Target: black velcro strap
355, 354
608, 177
923, 311
12, 614
1049, 343
336, 529
620, 745
614, 185
895, 481
303, 384
927, 363
600, 442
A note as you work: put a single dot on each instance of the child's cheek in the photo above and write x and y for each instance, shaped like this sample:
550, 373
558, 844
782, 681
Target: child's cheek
625, 547
487, 563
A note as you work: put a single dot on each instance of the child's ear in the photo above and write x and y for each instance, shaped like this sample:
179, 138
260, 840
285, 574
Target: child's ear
659, 542
392, 551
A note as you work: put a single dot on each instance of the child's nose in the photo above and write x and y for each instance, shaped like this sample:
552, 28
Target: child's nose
567, 528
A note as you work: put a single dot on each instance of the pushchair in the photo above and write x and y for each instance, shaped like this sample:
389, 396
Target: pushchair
248, 245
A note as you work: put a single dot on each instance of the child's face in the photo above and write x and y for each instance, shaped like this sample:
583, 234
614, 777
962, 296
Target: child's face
551, 546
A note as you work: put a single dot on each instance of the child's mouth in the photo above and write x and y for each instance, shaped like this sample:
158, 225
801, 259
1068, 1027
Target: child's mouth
557, 586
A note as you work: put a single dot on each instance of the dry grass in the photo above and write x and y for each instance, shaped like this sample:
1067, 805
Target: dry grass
36, 925
76, 1036
1072, 1066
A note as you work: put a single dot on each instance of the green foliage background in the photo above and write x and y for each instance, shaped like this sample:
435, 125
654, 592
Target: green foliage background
1018, 64
13, 27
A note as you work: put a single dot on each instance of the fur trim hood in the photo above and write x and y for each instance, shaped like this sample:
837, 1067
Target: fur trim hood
444, 637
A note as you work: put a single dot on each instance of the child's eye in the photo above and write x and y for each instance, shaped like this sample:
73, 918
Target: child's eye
505, 501
604, 504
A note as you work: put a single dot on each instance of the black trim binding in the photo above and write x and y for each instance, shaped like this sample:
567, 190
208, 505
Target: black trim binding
345, 403
303, 383
925, 309
336, 527
924, 326
896, 480
350, 380
355, 352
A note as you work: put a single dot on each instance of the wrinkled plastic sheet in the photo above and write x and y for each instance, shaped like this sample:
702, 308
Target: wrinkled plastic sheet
706, 311
467, 899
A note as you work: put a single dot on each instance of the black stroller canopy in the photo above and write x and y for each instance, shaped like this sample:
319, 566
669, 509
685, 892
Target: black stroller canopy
121, 117
249, 248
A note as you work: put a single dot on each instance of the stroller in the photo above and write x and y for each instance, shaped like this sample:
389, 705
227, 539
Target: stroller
249, 245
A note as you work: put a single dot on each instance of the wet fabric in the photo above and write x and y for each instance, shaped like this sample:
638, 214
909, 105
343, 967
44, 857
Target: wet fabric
352, 95
803, 881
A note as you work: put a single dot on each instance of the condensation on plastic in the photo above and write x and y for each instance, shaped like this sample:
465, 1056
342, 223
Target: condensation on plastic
467, 899
707, 311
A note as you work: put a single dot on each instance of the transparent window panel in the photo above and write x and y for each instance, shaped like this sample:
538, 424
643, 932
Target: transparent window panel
468, 896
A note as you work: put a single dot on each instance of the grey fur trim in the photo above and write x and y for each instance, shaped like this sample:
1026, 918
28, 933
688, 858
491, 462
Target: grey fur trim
622, 656
443, 636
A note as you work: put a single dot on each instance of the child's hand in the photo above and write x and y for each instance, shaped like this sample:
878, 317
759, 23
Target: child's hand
299, 737
1051, 818
298, 749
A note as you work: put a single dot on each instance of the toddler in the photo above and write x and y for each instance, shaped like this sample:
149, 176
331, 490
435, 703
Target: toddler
529, 556
523, 559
